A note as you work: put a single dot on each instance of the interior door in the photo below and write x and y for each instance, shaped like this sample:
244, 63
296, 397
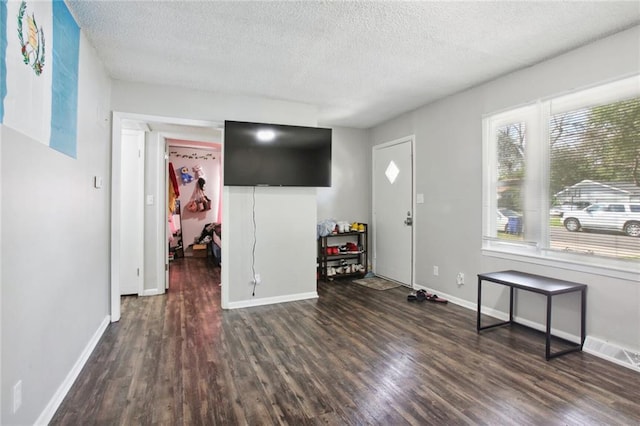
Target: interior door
132, 212
393, 210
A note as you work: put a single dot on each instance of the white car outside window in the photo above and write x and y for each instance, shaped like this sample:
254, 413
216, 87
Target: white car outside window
562, 209
621, 217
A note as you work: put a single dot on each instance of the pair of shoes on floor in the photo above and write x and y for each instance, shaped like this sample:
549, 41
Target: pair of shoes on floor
417, 296
435, 298
422, 295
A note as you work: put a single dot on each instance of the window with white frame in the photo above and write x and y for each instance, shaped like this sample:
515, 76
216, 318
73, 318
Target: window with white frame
562, 177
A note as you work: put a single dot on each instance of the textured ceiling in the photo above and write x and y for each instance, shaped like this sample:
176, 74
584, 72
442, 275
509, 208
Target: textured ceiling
359, 62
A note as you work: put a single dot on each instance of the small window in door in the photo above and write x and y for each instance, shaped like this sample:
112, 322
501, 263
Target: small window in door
392, 172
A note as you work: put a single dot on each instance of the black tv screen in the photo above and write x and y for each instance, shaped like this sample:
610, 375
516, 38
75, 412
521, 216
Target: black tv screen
260, 154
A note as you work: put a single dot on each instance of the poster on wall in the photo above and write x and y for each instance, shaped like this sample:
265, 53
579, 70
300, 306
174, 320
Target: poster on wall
39, 52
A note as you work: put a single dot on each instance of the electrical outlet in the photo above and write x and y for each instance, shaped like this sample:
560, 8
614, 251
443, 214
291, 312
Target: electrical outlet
17, 396
435, 271
460, 278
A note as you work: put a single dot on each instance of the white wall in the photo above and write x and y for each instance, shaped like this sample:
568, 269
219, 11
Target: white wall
449, 173
285, 244
55, 250
349, 197
200, 105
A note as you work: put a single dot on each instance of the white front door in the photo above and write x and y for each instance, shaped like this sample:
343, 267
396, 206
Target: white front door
393, 210
131, 212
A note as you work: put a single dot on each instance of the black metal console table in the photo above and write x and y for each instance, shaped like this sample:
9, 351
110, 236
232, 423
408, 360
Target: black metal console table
537, 284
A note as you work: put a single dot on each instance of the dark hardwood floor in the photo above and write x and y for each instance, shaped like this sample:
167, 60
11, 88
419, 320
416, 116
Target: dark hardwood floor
354, 356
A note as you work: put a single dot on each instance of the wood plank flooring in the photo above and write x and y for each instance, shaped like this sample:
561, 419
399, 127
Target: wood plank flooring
355, 356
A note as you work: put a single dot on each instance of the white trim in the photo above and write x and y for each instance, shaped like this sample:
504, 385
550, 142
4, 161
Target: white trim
1, 257
116, 152
142, 147
57, 398
224, 250
148, 118
597, 95
152, 291
224, 270
564, 93
179, 139
578, 265
412, 140
166, 213
161, 213
272, 300
543, 328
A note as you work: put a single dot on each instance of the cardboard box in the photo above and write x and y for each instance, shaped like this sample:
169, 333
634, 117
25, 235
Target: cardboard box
199, 250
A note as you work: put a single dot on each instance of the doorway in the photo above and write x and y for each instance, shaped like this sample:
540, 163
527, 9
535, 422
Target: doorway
154, 202
393, 210
193, 163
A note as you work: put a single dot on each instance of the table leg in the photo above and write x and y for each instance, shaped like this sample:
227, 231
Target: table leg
548, 336
511, 293
583, 320
479, 303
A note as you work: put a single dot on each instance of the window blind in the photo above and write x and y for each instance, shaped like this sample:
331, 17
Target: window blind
594, 160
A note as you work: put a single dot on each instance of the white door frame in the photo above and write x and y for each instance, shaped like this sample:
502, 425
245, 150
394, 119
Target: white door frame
116, 185
412, 140
165, 148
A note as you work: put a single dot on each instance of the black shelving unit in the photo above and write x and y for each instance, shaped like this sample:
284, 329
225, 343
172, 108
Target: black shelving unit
344, 264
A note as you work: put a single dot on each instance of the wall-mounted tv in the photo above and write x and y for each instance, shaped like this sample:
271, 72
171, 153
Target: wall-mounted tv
260, 154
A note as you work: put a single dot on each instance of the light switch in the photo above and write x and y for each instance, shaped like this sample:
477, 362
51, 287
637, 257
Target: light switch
420, 198
97, 182
149, 200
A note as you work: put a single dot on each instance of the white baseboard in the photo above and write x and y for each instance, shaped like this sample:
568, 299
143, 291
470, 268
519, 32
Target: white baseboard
53, 405
593, 346
272, 300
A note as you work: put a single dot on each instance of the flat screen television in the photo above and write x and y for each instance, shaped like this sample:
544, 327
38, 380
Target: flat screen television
260, 154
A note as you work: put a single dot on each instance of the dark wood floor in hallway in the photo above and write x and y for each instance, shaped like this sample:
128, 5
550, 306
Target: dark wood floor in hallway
354, 356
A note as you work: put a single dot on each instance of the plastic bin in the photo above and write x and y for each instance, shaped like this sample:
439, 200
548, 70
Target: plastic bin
514, 225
